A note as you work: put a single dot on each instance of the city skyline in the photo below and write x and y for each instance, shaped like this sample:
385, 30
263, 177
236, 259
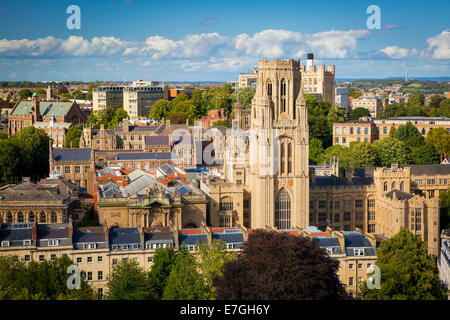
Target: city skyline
200, 41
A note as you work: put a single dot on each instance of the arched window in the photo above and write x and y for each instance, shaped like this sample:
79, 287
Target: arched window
42, 218
9, 217
282, 158
283, 211
402, 186
385, 186
283, 87
283, 95
269, 88
393, 186
53, 217
20, 217
31, 216
289, 165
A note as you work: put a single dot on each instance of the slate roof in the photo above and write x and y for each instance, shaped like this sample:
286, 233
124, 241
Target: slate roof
124, 236
57, 109
400, 195
13, 235
192, 239
144, 156
429, 169
75, 154
322, 181
88, 237
158, 237
53, 231
28, 191
138, 128
327, 241
156, 140
229, 237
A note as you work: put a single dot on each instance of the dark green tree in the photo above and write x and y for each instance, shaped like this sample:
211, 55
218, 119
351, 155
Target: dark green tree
36, 149
362, 154
391, 150
25, 94
425, 154
359, 113
128, 281
161, 109
444, 198
73, 136
409, 134
407, 272
315, 150
163, 261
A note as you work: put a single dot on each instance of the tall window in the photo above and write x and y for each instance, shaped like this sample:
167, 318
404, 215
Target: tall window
31, 216
283, 95
20, 217
42, 217
289, 165
269, 88
9, 217
402, 186
282, 159
226, 204
53, 217
283, 211
385, 186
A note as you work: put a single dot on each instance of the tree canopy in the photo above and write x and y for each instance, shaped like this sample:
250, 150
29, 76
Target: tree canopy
407, 272
280, 266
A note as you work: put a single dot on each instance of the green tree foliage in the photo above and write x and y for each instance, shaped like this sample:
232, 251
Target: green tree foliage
353, 93
12, 159
163, 261
440, 139
161, 109
244, 96
444, 198
407, 272
109, 117
415, 105
128, 281
184, 282
444, 108
45, 280
362, 154
391, 150
225, 123
337, 151
92, 85
279, 266
89, 219
359, 113
78, 94
73, 136
320, 125
177, 118
425, 154
210, 262
25, 94
409, 134
315, 150
389, 111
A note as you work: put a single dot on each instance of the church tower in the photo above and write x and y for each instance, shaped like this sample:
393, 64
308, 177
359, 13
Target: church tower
35, 108
279, 175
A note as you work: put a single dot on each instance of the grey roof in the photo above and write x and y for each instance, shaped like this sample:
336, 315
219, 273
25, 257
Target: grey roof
399, 195
355, 239
429, 169
88, 237
192, 239
13, 235
144, 156
327, 241
53, 231
158, 236
124, 236
76, 154
367, 252
142, 183
108, 131
335, 181
156, 140
29, 191
138, 128
237, 237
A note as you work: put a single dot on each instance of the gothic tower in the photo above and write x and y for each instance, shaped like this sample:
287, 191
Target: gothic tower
35, 108
279, 177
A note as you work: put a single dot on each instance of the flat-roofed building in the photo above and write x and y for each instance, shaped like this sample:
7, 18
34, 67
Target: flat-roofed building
107, 97
346, 132
423, 124
139, 100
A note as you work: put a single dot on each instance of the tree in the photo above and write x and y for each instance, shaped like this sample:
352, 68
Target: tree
279, 266
440, 138
89, 219
92, 85
409, 134
362, 154
390, 150
389, 111
25, 94
12, 155
78, 94
244, 96
407, 272
163, 261
161, 109
45, 280
73, 136
444, 198
177, 118
415, 105
184, 282
128, 281
359, 113
425, 154
315, 150
341, 153
36, 149
210, 262
444, 108
225, 123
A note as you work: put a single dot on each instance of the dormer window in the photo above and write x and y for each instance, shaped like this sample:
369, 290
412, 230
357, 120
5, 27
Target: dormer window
27, 242
53, 242
5, 243
358, 252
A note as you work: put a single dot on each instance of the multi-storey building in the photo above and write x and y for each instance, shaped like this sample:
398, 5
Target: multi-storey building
138, 100
341, 97
107, 97
444, 260
248, 79
374, 104
371, 130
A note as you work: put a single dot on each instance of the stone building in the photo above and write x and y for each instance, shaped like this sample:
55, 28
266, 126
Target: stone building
317, 81
374, 104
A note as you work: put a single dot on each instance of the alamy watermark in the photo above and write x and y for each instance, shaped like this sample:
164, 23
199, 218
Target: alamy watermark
74, 20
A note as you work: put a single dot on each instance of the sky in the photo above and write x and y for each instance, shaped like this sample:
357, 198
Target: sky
194, 40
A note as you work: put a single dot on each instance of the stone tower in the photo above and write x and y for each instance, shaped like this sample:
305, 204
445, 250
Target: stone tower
35, 108
279, 175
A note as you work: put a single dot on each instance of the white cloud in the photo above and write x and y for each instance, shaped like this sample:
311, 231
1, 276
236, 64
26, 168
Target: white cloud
439, 46
396, 52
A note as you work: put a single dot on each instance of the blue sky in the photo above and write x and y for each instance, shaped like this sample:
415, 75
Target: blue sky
214, 41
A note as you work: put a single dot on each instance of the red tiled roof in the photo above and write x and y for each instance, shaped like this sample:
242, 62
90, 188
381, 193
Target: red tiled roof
190, 231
